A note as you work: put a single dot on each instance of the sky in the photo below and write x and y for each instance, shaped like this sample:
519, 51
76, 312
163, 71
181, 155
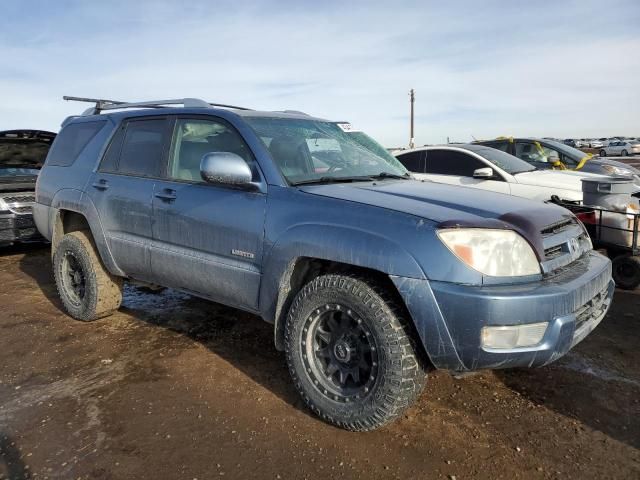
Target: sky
480, 69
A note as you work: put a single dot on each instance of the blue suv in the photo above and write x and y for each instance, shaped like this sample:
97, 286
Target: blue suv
369, 277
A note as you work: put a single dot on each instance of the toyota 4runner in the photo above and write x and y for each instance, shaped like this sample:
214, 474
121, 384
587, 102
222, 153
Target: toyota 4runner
369, 277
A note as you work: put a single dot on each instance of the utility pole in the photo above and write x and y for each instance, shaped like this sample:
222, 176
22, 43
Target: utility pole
412, 97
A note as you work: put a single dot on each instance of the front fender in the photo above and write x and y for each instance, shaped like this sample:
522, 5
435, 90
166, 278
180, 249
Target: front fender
345, 245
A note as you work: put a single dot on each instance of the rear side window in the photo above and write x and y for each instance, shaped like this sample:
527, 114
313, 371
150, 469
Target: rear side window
413, 161
143, 147
450, 162
71, 141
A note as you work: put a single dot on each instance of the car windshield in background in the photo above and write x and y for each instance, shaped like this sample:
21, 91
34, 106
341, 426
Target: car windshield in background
314, 151
505, 161
18, 172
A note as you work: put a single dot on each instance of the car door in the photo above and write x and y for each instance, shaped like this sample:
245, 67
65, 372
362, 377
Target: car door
122, 189
207, 238
614, 148
456, 167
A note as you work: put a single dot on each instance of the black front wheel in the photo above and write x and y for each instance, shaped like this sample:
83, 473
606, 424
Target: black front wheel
624, 153
603, 153
350, 353
626, 271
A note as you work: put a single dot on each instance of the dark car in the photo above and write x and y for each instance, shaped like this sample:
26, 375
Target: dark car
22, 153
368, 275
543, 154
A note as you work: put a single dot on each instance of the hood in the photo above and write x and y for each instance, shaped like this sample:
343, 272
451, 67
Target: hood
451, 206
24, 148
560, 179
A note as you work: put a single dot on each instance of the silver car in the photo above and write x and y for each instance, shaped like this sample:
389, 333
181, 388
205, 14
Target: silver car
621, 148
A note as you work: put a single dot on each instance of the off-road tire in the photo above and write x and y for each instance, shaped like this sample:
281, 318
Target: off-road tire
400, 374
102, 291
626, 271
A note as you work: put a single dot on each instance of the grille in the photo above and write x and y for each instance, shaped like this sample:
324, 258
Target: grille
592, 309
27, 198
24, 209
557, 227
553, 252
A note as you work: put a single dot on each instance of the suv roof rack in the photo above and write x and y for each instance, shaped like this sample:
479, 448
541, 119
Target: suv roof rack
102, 104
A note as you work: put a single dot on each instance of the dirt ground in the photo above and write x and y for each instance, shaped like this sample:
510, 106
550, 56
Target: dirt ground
179, 388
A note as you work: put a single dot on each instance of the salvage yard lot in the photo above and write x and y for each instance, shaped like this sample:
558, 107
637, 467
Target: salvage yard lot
176, 387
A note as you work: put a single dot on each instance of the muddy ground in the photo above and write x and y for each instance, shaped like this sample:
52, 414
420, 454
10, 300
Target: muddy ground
176, 387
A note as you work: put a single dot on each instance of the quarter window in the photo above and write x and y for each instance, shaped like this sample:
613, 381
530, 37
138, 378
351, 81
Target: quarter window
193, 138
71, 141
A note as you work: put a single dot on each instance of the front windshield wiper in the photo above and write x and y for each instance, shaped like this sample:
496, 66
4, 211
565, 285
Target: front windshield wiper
404, 176
332, 180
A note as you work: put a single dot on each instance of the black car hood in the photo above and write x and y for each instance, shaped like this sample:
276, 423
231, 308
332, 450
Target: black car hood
451, 206
24, 148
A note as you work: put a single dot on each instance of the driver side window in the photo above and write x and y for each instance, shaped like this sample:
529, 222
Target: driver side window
193, 138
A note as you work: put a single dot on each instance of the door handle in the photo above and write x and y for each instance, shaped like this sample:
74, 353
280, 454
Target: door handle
101, 184
167, 195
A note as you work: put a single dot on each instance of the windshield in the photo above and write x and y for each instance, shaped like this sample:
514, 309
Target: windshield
18, 172
503, 160
309, 151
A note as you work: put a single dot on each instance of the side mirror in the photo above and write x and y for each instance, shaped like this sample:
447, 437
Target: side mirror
225, 168
483, 173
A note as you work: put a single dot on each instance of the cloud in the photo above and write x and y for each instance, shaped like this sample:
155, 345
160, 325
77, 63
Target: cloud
539, 68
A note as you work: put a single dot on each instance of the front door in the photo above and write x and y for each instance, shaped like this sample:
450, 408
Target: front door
122, 188
207, 238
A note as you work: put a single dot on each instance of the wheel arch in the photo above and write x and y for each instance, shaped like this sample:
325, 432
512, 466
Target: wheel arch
313, 250
70, 214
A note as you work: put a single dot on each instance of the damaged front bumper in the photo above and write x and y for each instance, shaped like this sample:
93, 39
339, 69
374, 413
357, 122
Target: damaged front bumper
17, 228
450, 317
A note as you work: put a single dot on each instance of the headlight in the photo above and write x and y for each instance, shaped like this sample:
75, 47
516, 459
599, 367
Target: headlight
613, 170
498, 253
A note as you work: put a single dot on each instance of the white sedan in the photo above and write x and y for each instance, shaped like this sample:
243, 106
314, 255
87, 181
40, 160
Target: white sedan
487, 168
621, 148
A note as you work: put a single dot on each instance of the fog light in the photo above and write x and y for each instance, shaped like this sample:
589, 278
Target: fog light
513, 336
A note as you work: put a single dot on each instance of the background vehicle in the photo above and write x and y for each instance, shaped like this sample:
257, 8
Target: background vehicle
621, 148
368, 275
487, 168
22, 153
544, 154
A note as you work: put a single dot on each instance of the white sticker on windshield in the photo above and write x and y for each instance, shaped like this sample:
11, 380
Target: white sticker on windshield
347, 127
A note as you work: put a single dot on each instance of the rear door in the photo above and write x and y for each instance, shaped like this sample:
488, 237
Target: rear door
207, 237
122, 190
456, 168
